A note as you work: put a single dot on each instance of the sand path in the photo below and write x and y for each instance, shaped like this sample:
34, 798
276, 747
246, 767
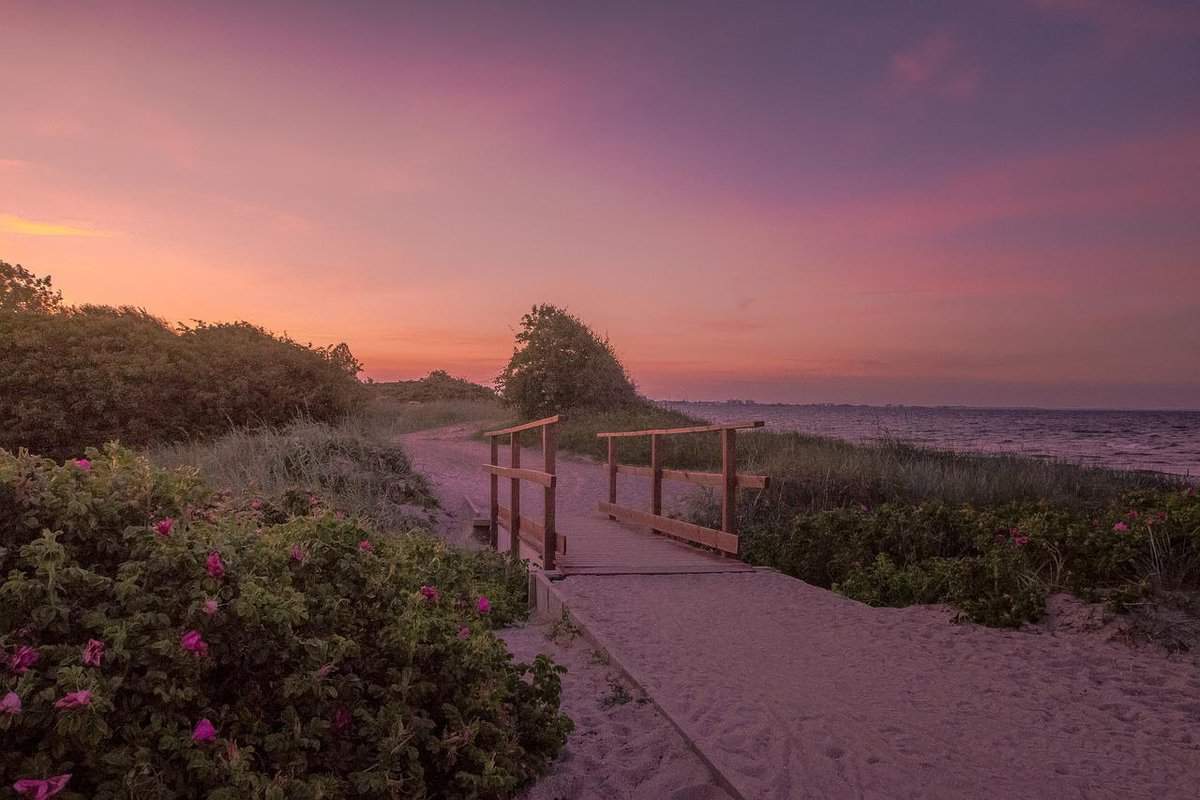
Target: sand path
791, 691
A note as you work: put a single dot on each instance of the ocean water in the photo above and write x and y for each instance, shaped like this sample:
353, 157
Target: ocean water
1164, 441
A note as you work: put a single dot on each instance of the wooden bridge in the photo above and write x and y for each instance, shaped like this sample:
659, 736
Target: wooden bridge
565, 528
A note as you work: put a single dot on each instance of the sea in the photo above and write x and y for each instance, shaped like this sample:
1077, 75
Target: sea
1160, 441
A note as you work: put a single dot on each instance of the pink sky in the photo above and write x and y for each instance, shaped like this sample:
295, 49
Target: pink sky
995, 205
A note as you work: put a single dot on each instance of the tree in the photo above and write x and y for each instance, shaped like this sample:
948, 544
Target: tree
21, 290
559, 363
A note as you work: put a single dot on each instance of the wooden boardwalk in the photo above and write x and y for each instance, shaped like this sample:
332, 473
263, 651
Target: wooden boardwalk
596, 545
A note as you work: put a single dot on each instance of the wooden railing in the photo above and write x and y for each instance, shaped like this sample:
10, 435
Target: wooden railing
542, 537
728, 480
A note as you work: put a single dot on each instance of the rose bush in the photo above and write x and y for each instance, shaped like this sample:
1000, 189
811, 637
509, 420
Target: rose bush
203, 658
995, 564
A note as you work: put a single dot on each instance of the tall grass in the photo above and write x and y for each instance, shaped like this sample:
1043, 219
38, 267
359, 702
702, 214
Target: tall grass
389, 417
812, 473
351, 465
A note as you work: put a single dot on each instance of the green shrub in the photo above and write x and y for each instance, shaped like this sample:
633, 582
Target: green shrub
437, 385
560, 364
21, 290
329, 661
86, 376
995, 564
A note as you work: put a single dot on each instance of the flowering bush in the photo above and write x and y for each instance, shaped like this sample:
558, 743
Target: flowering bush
995, 564
204, 659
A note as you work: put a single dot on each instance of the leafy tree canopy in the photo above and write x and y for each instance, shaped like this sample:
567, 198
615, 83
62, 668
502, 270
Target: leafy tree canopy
559, 364
21, 290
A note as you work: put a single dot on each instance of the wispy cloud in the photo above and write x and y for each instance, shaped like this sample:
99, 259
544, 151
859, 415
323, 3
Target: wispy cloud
938, 65
10, 223
12, 163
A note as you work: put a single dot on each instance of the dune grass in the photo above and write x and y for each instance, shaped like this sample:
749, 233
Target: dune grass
811, 473
349, 464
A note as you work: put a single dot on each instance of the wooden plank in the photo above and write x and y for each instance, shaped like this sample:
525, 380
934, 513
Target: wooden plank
528, 524
718, 540
729, 426
531, 475
655, 477
514, 497
612, 472
729, 473
531, 532
711, 479
549, 460
493, 504
537, 423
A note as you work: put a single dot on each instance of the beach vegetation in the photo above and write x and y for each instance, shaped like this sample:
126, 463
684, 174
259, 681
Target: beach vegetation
559, 364
160, 639
352, 467
438, 385
80, 377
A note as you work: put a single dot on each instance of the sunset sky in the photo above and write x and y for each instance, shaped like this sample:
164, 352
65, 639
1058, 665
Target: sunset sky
986, 203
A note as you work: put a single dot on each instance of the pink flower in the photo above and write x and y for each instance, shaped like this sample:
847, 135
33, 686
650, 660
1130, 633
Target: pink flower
1120, 527
1020, 540
163, 526
256, 504
93, 653
324, 670
209, 607
298, 554
464, 632
483, 605
341, 719
204, 731
193, 642
366, 546
83, 464
74, 700
430, 593
216, 567
23, 659
10, 704
41, 789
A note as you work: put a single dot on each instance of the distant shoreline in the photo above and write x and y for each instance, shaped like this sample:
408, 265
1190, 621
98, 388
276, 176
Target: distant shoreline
1048, 409
1141, 440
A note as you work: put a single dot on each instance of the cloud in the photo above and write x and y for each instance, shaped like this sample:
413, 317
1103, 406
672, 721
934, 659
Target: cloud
935, 65
10, 223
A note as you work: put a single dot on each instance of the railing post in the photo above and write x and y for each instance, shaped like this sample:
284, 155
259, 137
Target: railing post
494, 504
655, 477
514, 528
729, 481
550, 535
612, 472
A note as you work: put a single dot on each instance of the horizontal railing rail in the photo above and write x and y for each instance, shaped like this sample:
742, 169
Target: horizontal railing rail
728, 480
542, 537
729, 426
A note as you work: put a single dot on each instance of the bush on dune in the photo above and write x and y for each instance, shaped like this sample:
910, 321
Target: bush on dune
85, 376
437, 385
995, 564
560, 364
159, 645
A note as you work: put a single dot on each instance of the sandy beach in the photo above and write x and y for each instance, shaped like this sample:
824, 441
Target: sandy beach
792, 691
622, 746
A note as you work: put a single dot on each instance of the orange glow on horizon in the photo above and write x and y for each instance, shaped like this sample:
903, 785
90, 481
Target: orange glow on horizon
411, 183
